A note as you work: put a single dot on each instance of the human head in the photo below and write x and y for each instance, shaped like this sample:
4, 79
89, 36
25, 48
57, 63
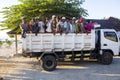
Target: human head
53, 17
71, 21
74, 18
88, 21
39, 18
58, 19
81, 20
33, 19
46, 19
24, 20
67, 19
63, 19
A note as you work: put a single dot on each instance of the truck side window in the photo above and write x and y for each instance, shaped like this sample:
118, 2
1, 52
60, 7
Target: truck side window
111, 36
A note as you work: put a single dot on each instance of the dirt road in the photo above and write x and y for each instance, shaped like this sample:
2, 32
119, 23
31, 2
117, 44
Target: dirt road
20, 68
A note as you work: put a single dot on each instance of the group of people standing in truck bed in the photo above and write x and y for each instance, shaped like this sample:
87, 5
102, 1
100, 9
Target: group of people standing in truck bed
56, 25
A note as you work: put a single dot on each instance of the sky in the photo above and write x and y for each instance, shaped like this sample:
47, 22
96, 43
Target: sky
5, 3
97, 9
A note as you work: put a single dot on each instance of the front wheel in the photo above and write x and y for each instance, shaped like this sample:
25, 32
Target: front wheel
106, 58
48, 63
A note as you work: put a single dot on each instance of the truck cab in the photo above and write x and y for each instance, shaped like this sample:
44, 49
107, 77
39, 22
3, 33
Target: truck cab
107, 44
108, 40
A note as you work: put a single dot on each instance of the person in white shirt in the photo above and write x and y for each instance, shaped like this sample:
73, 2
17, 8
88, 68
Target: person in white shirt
48, 30
41, 25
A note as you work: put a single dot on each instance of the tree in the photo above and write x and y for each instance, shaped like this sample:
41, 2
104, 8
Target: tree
44, 8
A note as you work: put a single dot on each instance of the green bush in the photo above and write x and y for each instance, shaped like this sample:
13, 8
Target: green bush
1, 43
8, 42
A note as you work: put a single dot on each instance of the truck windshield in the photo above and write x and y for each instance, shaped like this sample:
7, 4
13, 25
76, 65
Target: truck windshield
111, 36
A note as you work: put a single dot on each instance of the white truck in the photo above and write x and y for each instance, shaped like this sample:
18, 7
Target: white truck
100, 44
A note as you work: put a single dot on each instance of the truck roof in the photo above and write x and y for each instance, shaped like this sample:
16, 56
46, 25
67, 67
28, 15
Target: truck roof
106, 29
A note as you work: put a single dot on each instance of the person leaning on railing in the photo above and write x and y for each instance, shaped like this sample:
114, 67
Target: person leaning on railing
33, 26
55, 25
24, 26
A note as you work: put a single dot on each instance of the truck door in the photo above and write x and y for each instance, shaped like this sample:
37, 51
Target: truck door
109, 40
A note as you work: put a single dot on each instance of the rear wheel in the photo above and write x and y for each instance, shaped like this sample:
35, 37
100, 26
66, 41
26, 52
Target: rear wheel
106, 58
48, 63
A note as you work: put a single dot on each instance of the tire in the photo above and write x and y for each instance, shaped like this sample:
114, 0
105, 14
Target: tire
99, 59
48, 63
106, 58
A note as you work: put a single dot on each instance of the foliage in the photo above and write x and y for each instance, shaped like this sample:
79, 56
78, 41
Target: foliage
8, 42
11, 35
1, 43
44, 8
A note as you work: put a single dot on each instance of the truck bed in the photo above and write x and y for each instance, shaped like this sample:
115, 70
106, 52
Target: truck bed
48, 42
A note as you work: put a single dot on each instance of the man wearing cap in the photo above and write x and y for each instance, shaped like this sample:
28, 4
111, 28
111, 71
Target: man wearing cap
74, 18
63, 24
